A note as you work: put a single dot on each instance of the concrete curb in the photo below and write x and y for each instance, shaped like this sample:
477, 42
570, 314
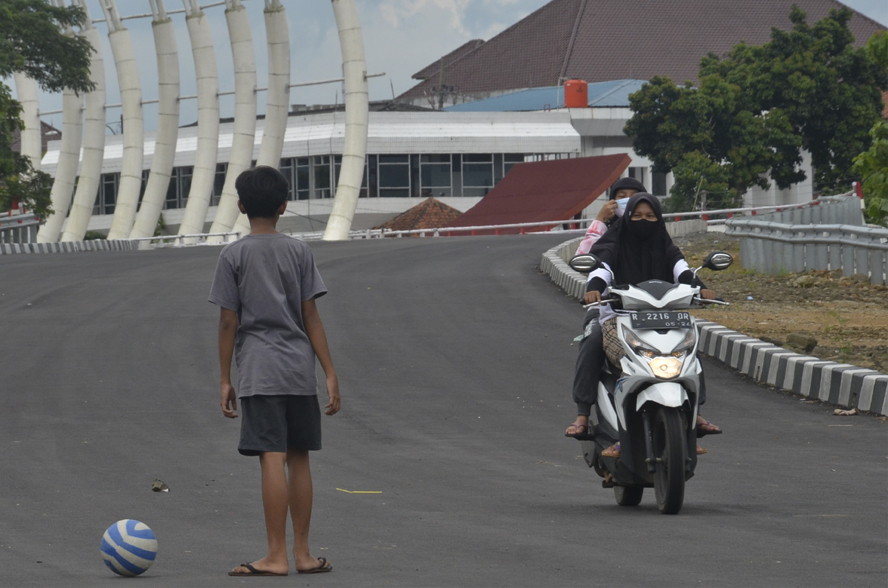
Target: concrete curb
68, 247
840, 384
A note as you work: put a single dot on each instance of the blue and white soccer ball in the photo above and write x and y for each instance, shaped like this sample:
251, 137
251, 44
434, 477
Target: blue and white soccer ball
129, 547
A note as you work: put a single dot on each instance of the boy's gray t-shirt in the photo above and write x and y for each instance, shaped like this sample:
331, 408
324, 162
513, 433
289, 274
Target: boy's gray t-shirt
265, 279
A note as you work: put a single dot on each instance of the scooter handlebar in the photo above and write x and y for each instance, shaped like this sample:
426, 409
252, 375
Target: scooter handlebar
598, 304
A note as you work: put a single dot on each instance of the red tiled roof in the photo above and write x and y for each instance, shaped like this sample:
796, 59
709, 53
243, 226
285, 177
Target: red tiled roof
545, 190
429, 214
604, 40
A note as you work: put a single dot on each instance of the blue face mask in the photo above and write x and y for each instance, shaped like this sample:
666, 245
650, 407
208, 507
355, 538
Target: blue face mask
621, 206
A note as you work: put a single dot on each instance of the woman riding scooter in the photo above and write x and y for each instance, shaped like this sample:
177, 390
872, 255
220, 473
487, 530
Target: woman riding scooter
638, 248
591, 352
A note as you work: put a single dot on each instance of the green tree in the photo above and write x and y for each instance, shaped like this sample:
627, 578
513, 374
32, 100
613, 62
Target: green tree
872, 166
33, 41
758, 107
699, 180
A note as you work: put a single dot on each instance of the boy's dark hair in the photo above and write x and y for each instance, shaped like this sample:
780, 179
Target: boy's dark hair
262, 190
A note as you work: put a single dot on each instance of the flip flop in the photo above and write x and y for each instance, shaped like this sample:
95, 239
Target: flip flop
712, 430
701, 450
324, 566
253, 571
581, 431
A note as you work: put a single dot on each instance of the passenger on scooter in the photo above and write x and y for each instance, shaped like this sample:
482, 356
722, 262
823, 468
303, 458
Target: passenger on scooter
636, 249
591, 351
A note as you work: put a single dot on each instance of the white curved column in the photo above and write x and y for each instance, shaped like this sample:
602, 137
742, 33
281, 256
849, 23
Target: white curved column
244, 112
357, 103
167, 123
207, 120
66, 172
133, 124
93, 143
26, 94
277, 104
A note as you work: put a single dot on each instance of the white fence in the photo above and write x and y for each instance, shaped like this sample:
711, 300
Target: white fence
19, 228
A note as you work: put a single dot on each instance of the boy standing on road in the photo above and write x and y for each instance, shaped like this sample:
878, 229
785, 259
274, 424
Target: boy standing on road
266, 284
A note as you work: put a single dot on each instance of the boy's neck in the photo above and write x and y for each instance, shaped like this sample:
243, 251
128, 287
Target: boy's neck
263, 226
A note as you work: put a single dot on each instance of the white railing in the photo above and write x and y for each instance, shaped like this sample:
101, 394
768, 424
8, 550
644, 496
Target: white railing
187, 240
19, 228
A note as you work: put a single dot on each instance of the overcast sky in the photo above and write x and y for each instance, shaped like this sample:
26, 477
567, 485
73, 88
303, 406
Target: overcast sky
400, 37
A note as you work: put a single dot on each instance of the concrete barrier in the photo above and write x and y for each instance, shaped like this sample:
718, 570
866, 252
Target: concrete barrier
68, 246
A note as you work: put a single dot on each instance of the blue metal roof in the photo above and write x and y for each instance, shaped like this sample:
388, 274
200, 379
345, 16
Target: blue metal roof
601, 94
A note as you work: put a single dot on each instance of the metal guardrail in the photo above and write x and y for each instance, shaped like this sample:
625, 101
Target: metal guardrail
780, 247
845, 209
19, 228
187, 240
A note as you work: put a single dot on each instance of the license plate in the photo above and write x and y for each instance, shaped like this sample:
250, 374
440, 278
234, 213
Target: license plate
660, 320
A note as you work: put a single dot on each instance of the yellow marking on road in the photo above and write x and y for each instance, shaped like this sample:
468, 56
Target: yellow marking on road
360, 491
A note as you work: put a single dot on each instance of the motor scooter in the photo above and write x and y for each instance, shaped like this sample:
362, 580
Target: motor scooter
649, 402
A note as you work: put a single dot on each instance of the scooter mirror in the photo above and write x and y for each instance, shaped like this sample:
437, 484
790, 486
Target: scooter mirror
718, 260
584, 263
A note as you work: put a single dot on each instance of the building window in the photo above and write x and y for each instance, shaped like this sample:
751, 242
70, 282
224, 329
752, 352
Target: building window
510, 159
477, 174
435, 175
107, 194
287, 169
637, 173
303, 178
172, 195
658, 184
394, 176
321, 172
218, 183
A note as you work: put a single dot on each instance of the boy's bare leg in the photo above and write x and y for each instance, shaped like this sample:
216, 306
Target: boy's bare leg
301, 495
275, 502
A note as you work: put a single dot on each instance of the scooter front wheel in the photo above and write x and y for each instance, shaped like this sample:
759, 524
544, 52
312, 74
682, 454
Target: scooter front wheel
628, 495
670, 448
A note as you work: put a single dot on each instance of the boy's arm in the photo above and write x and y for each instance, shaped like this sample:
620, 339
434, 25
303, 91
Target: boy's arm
227, 331
318, 337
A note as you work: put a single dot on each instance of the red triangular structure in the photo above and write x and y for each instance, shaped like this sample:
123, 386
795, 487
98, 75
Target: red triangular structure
544, 191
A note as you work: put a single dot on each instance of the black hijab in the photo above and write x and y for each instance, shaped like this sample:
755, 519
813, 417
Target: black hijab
624, 184
634, 256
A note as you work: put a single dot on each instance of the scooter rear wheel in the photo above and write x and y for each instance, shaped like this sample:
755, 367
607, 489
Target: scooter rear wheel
670, 448
628, 495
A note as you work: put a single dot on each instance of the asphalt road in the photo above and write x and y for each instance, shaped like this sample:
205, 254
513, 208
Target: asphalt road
455, 359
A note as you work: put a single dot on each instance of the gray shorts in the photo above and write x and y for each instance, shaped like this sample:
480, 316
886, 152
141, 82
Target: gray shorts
279, 423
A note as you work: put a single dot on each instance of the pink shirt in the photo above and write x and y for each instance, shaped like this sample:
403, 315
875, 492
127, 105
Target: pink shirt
593, 234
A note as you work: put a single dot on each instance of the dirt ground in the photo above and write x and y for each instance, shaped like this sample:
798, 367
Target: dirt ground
847, 316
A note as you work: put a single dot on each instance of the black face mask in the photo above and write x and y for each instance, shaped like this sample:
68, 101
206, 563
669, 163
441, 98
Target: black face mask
643, 229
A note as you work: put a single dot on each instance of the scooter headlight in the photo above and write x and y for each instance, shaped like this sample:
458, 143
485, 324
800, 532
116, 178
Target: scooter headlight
637, 345
665, 367
686, 345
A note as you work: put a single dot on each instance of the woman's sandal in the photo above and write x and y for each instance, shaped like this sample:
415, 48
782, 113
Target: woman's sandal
581, 430
707, 428
612, 451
